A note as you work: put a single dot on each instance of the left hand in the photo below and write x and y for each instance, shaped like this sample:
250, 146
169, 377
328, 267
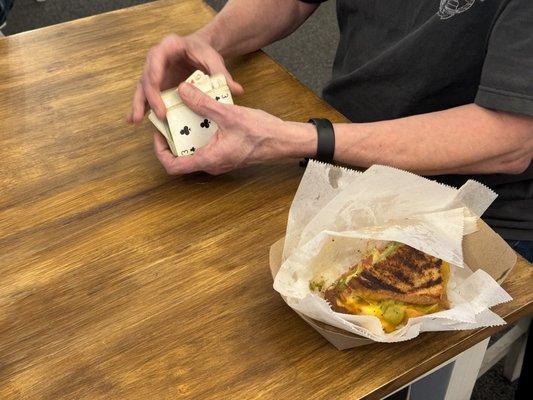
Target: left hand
245, 136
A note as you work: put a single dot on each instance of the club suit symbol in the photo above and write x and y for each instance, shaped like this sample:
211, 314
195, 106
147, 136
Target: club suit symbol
205, 123
185, 131
449, 8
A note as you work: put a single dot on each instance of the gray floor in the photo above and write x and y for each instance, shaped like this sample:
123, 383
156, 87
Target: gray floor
307, 53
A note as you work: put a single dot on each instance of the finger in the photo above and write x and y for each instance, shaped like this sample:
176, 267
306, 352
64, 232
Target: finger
215, 65
201, 103
138, 106
151, 83
158, 58
173, 165
235, 87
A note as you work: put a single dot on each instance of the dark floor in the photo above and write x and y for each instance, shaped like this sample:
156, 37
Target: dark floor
308, 54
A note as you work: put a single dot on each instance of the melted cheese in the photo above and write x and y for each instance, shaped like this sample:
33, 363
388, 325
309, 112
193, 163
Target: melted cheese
391, 313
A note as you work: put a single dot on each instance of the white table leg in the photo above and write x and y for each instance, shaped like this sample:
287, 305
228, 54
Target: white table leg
465, 371
511, 346
432, 386
452, 380
515, 359
455, 379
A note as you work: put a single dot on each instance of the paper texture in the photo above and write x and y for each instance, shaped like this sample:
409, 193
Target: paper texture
337, 214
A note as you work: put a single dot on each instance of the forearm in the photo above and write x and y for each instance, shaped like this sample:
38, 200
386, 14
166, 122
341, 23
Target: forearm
462, 140
243, 26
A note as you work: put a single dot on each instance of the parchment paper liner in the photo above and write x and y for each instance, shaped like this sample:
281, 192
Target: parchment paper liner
481, 248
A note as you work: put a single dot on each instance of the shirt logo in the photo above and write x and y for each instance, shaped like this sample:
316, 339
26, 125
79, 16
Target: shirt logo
449, 8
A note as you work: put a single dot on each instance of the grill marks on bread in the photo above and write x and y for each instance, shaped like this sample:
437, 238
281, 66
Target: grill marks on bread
405, 270
407, 275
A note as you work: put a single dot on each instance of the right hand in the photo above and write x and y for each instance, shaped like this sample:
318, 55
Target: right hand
171, 62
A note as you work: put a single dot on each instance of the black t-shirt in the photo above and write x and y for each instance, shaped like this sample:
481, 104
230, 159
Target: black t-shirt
5, 6
403, 57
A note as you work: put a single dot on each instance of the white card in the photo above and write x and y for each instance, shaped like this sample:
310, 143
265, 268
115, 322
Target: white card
197, 76
190, 131
200, 80
162, 126
184, 130
221, 94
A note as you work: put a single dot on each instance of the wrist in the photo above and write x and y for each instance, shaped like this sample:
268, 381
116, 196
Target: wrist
205, 35
298, 140
209, 34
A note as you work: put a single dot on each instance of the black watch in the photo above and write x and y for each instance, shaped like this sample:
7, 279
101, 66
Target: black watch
325, 150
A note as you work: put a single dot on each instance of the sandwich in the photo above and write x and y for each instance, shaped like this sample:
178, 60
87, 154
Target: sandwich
394, 284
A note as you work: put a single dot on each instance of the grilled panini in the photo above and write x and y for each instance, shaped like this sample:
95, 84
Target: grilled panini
393, 284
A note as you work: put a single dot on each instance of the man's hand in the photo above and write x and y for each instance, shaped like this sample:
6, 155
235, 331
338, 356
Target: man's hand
245, 136
168, 64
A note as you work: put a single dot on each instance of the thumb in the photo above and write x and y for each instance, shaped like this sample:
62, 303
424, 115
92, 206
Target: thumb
201, 103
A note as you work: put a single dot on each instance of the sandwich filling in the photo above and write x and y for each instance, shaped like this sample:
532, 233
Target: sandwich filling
393, 284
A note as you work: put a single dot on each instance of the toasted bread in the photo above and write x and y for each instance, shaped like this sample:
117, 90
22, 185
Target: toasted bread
394, 284
407, 275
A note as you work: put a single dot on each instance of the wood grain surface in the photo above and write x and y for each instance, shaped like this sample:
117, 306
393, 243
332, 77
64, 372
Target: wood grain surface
120, 282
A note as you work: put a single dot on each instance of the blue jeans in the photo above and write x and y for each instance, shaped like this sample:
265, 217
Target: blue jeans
523, 247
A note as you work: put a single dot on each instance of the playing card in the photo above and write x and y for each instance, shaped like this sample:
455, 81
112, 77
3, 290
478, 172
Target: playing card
197, 76
189, 130
220, 91
185, 130
162, 126
171, 97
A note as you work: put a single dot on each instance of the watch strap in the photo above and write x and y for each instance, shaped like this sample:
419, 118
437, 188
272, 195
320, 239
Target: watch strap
325, 151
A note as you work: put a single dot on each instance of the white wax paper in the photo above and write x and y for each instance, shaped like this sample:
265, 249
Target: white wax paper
338, 214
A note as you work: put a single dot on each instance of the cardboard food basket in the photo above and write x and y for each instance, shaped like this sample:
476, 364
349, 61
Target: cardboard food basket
483, 248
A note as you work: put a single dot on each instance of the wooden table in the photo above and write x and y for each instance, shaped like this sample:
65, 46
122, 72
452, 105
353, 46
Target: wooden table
120, 282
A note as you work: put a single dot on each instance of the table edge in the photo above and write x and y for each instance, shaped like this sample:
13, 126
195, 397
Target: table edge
447, 354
